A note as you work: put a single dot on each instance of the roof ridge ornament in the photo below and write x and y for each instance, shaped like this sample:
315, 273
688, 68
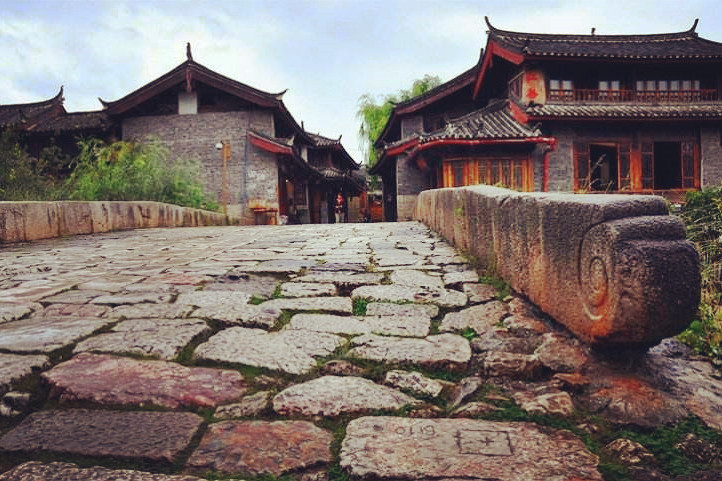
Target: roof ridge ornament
189, 55
488, 23
693, 30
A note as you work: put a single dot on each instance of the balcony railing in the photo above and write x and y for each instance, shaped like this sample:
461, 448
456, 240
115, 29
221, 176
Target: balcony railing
662, 96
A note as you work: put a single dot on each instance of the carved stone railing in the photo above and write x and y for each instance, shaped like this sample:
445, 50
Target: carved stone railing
614, 269
26, 221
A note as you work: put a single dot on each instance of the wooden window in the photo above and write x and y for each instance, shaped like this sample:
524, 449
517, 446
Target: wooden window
689, 166
647, 165
510, 173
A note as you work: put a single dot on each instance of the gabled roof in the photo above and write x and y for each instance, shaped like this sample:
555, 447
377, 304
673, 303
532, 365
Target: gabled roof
321, 142
461, 81
27, 116
76, 121
187, 72
492, 124
680, 45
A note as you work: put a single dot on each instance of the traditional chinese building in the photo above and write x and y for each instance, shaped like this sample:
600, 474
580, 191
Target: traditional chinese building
547, 112
255, 157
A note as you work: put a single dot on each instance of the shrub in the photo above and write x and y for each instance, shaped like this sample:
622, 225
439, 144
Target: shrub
703, 218
21, 176
135, 171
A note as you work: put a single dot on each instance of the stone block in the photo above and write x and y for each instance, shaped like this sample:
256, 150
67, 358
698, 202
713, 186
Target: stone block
614, 269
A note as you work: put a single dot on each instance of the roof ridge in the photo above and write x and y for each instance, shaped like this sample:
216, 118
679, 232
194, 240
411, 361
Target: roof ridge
689, 33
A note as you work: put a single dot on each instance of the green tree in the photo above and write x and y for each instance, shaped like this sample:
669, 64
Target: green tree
135, 171
374, 113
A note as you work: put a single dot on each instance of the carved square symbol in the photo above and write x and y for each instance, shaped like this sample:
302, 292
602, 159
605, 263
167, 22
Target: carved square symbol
488, 443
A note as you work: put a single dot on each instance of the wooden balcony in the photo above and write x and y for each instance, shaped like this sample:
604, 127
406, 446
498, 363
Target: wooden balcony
621, 96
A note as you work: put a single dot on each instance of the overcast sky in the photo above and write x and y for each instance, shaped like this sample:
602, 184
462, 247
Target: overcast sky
327, 53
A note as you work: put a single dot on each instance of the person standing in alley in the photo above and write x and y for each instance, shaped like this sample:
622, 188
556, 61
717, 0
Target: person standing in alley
340, 207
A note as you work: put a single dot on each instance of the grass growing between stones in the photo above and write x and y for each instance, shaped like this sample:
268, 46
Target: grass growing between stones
502, 287
359, 306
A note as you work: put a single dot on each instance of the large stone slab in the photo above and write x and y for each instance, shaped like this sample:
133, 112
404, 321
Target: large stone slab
213, 298
391, 325
307, 289
112, 380
344, 279
162, 338
324, 304
479, 318
395, 293
291, 351
336, 395
248, 315
614, 269
46, 334
421, 449
414, 278
255, 448
441, 349
151, 311
37, 471
15, 366
139, 435
425, 311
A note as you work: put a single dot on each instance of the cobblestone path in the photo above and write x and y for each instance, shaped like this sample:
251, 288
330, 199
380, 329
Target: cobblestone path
313, 352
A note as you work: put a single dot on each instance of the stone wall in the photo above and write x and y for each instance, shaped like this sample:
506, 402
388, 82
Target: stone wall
711, 156
26, 221
614, 269
251, 173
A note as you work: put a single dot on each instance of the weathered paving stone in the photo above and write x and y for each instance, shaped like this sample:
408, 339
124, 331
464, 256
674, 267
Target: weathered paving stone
291, 351
479, 318
395, 326
342, 279
465, 388
282, 266
113, 380
11, 312
629, 400
248, 315
507, 364
46, 334
503, 340
262, 286
76, 310
32, 291
151, 311
162, 338
248, 406
15, 366
336, 395
415, 382
139, 435
37, 471
432, 350
555, 402
476, 408
307, 289
479, 293
451, 278
390, 309
418, 449
414, 278
561, 354
394, 293
74, 296
325, 304
259, 447
213, 298
692, 379
133, 298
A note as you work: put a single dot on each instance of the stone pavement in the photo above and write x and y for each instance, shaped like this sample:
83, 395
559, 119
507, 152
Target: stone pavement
362, 351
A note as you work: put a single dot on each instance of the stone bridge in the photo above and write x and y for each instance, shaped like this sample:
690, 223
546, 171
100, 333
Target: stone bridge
369, 351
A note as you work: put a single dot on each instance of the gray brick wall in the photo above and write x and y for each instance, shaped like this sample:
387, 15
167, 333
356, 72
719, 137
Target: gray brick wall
251, 173
409, 182
412, 125
711, 155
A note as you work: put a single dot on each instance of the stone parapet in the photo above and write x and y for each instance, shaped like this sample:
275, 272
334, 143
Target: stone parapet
26, 221
614, 269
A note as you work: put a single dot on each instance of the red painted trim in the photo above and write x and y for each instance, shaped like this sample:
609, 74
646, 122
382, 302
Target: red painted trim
491, 50
269, 146
517, 113
400, 149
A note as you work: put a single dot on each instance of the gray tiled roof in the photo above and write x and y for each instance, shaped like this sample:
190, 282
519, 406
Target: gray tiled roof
685, 44
710, 110
96, 120
492, 122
